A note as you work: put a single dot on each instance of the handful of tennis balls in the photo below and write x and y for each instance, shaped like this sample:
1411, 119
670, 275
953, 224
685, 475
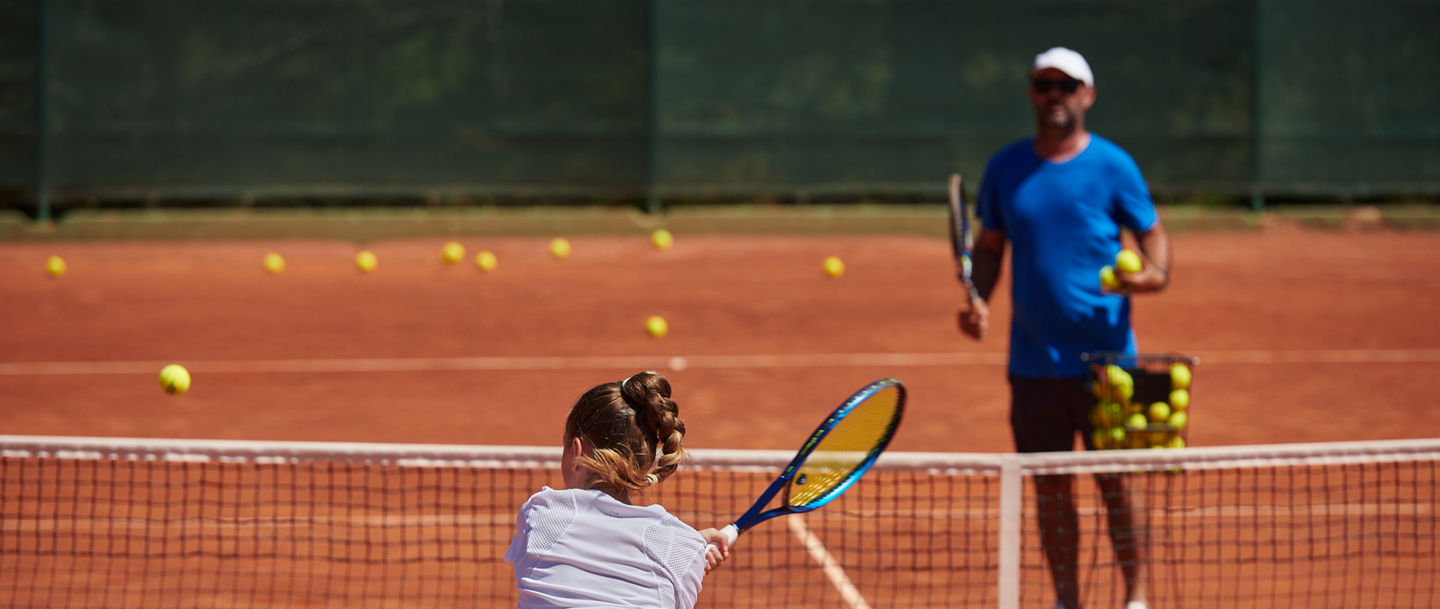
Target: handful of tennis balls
1127, 261
1150, 412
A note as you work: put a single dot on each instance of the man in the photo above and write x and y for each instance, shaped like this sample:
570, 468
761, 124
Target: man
1062, 199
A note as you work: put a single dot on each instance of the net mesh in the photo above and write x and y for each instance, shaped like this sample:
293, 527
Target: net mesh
150, 523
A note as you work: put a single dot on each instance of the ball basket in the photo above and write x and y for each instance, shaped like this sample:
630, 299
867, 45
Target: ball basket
1141, 400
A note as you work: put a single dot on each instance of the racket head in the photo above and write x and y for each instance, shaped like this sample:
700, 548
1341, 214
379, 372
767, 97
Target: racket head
845, 445
876, 410
961, 241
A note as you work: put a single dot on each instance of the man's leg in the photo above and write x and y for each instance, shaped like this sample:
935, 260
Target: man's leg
1128, 531
1042, 420
1060, 535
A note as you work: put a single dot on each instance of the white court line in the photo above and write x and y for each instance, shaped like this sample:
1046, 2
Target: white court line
833, 571
679, 362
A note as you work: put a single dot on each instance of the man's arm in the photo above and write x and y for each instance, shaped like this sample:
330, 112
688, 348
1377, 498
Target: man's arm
1155, 276
989, 250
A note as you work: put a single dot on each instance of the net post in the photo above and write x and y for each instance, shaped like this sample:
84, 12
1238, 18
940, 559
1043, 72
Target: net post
1011, 495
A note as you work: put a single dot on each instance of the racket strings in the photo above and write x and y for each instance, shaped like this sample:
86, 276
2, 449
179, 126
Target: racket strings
851, 443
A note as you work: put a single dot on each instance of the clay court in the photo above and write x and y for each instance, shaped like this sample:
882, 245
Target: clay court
1302, 335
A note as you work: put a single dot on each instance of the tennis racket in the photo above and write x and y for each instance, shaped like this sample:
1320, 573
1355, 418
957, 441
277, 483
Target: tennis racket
840, 450
960, 239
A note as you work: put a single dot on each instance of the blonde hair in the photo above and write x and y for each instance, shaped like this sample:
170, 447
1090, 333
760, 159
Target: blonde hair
633, 430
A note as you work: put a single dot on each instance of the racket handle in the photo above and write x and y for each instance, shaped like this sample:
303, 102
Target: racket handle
731, 533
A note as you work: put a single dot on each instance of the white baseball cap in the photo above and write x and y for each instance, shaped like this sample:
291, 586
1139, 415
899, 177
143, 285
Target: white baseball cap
1066, 61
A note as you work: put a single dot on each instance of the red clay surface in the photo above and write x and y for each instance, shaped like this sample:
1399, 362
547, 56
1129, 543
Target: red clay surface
1303, 336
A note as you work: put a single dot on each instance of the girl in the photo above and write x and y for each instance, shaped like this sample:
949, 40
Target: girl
587, 546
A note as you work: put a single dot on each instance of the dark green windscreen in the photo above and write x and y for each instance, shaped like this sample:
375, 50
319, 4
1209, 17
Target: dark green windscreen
619, 99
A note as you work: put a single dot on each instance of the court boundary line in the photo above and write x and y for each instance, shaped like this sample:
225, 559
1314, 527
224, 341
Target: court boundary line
828, 565
676, 363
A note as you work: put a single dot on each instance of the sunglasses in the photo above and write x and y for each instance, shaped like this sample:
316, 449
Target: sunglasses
1044, 85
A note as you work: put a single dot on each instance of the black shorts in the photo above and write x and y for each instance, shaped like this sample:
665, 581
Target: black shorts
1045, 414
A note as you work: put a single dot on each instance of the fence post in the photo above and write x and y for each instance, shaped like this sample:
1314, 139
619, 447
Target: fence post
1257, 194
42, 186
652, 106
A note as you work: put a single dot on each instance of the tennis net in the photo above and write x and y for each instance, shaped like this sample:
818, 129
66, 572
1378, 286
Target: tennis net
106, 522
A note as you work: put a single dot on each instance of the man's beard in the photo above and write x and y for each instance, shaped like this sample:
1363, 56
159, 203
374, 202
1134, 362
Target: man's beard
1059, 118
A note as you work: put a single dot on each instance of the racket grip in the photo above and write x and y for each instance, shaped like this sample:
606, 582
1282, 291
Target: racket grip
731, 533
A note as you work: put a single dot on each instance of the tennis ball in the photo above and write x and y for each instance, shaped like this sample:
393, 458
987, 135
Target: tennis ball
833, 266
486, 260
1127, 261
1117, 436
559, 248
1107, 278
1179, 376
1159, 412
1137, 422
662, 239
1180, 400
656, 326
174, 379
273, 262
1122, 385
1178, 420
1100, 437
366, 261
1176, 442
55, 265
1114, 413
452, 252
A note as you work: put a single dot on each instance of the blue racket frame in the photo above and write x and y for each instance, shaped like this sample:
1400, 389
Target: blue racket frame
961, 241
757, 512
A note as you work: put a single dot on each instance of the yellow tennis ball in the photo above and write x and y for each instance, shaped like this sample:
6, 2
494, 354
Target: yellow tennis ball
1127, 261
1136, 422
1175, 442
366, 261
486, 260
1114, 413
452, 252
662, 239
656, 326
833, 266
55, 265
559, 248
174, 379
1097, 416
1117, 436
1122, 385
1180, 400
273, 262
1100, 437
1159, 412
1179, 376
1107, 278
1178, 420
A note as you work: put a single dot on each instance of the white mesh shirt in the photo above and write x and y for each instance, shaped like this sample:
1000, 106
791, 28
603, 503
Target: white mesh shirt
582, 548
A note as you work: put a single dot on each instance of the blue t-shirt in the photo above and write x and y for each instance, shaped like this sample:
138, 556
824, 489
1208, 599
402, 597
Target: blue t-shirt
1063, 221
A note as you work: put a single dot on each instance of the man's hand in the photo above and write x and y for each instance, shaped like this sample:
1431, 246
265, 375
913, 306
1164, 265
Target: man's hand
974, 318
1149, 279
